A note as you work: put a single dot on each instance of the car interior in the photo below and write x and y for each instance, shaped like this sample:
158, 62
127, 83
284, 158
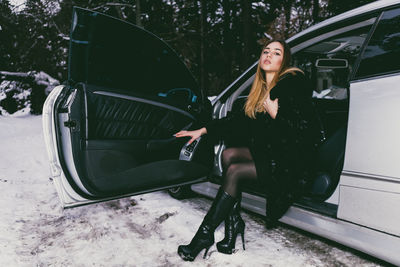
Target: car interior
125, 143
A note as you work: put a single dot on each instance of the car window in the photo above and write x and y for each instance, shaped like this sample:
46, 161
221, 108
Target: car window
330, 62
123, 58
382, 53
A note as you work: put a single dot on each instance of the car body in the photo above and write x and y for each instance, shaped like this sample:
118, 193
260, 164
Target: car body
109, 131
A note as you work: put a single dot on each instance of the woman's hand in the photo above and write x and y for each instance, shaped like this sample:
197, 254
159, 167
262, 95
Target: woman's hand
193, 134
271, 106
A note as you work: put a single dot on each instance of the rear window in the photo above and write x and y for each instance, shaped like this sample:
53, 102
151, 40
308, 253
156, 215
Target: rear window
382, 54
331, 82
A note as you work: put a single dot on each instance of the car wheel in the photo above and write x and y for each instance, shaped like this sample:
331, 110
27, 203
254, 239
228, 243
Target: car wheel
180, 192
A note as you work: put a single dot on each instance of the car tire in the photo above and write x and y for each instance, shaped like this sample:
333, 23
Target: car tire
180, 192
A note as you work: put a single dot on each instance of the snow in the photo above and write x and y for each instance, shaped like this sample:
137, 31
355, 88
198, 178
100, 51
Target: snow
19, 5
143, 230
42, 78
20, 96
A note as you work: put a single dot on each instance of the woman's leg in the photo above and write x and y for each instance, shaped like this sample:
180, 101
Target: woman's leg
238, 166
222, 204
204, 237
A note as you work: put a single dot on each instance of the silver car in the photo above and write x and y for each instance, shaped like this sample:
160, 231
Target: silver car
109, 130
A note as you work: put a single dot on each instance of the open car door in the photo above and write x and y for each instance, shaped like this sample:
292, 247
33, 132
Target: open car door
112, 126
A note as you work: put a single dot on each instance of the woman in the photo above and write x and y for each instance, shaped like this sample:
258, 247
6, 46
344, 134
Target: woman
281, 129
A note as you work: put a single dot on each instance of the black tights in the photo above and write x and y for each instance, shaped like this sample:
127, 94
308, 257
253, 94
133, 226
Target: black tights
238, 166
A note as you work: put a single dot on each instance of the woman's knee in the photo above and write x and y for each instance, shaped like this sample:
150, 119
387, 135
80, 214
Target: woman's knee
234, 155
228, 156
241, 171
233, 173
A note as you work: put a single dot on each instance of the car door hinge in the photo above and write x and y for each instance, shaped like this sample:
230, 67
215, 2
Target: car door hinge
71, 124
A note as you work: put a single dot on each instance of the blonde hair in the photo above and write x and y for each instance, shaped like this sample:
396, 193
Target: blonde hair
259, 90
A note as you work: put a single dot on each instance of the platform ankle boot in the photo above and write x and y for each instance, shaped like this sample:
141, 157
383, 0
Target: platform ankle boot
234, 225
204, 237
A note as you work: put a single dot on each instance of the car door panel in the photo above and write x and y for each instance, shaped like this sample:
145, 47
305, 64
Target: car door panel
371, 171
127, 145
113, 117
147, 176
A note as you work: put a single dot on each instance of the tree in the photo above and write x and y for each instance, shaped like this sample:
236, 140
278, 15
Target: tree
8, 26
336, 7
217, 40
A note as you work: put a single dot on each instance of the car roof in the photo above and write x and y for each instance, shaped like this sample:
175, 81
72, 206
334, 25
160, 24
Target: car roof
349, 14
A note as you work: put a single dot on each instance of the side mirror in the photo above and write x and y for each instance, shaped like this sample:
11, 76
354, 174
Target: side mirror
332, 63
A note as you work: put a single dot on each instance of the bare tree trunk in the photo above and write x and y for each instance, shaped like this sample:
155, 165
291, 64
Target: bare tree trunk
246, 7
203, 24
288, 14
138, 13
315, 11
227, 40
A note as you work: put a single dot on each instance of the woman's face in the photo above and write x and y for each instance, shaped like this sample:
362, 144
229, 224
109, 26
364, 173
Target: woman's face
271, 57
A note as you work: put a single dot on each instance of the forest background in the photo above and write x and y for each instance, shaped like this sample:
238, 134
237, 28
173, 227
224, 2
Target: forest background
216, 39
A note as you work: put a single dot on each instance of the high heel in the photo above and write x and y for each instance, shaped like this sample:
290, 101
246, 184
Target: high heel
234, 225
242, 234
205, 253
204, 237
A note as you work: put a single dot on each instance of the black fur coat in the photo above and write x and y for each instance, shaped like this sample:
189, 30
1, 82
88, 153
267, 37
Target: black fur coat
283, 148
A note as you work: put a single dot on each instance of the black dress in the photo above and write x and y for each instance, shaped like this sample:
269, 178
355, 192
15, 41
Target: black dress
284, 148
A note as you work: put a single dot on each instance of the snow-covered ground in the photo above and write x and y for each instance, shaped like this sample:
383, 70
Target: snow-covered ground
143, 230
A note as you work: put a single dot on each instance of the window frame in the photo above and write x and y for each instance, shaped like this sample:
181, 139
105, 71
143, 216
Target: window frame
354, 77
352, 25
